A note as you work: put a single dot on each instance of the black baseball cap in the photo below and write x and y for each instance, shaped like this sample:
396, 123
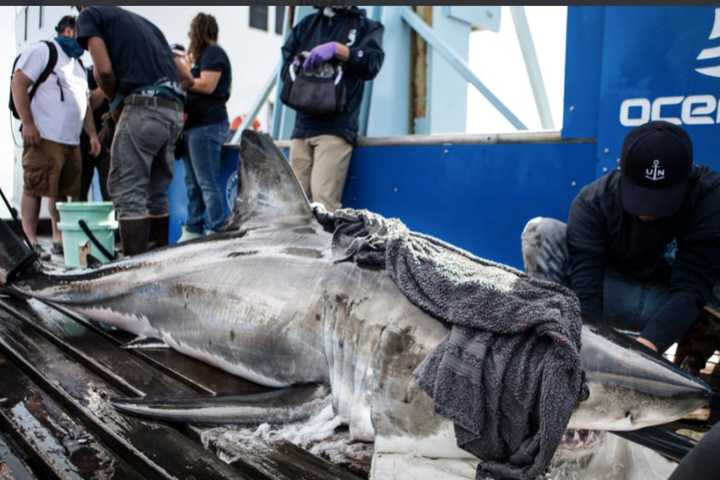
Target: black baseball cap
655, 165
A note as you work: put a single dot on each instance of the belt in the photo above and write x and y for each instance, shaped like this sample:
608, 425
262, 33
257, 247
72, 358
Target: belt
143, 101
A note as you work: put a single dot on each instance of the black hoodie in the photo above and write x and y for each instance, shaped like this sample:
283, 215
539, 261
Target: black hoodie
366, 58
601, 233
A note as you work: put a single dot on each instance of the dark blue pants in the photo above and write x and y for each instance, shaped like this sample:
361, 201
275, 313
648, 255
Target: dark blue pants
202, 170
628, 304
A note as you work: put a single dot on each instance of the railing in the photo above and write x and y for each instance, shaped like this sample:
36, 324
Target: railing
524, 137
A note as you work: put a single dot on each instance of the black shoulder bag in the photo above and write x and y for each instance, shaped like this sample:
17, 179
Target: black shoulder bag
320, 91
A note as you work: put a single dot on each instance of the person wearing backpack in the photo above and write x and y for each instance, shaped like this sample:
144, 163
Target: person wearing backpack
322, 141
49, 96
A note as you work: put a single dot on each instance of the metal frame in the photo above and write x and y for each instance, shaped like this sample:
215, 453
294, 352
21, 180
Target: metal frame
427, 34
257, 105
527, 46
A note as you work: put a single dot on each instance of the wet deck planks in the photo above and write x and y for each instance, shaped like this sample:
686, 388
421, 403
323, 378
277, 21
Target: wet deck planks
58, 372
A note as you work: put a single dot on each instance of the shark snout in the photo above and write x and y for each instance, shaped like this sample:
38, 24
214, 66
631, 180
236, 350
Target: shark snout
631, 387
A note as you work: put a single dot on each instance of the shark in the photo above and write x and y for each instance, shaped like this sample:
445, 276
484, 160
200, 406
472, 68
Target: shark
266, 301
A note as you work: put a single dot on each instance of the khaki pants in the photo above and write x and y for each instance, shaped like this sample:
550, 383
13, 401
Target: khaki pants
52, 170
321, 164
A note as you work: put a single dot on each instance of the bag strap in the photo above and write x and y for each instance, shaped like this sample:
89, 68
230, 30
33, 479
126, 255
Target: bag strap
52, 61
353, 23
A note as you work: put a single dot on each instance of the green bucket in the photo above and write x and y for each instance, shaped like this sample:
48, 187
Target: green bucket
100, 219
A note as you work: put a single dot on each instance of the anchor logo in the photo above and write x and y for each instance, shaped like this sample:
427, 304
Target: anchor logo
711, 52
656, 172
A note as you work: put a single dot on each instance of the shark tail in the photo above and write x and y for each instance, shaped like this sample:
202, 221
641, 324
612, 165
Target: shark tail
286, 405
16, 256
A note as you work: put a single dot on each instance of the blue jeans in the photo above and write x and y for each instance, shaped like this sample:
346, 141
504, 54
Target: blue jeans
202, 169
628, 303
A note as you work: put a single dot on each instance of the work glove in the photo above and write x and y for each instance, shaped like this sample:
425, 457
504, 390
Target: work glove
322, 53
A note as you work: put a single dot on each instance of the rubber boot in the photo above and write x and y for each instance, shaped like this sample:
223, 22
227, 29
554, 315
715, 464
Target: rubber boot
135, 234
159, 231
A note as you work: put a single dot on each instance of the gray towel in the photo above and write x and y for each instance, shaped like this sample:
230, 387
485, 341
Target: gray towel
508, 374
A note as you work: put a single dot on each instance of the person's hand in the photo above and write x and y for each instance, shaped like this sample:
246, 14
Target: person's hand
95, 146
647, 343
30, 134
322, 53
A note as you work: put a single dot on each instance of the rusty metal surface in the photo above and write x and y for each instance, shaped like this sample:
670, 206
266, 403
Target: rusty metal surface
58, 373
12, 463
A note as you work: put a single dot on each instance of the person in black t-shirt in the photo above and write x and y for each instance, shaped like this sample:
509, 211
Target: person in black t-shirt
100, 106
136, 70
206, 128
642, 245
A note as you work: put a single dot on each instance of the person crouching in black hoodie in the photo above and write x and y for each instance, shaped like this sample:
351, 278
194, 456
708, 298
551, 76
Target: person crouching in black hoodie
642, 245
322, 144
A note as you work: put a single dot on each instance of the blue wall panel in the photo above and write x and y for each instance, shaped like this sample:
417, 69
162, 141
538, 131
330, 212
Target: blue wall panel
583, 66
652, 56
475, 196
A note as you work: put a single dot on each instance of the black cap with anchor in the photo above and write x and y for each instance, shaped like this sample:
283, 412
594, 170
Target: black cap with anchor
655, 163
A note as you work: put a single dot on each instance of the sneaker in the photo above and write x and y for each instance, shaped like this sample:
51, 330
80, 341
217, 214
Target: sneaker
57, 248
188, 235
42, 254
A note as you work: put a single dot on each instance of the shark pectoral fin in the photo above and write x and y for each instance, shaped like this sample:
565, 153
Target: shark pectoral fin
285, 405
145, 343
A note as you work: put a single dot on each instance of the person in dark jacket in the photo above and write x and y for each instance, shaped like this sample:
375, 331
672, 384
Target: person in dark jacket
642, 245
322, 145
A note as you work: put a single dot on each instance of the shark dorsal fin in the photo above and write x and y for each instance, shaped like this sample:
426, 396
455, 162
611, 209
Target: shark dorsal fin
268, 191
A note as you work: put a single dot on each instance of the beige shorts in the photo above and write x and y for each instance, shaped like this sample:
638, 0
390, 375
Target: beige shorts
52, 169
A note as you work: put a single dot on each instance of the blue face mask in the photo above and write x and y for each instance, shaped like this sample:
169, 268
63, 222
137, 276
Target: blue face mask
70, 46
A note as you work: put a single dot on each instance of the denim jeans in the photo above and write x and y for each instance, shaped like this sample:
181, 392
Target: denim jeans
628, 303
202, 169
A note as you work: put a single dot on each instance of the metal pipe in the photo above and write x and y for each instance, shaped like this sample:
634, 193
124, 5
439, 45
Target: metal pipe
524, 137
527, 46
262, 98
375, 14
458, 64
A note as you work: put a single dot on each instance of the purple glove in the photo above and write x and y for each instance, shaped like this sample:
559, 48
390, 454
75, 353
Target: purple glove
319, 54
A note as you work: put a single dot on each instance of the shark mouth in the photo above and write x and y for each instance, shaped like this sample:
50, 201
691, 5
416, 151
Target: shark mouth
576, 440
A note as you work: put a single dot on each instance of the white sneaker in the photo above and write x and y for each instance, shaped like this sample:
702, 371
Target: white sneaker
187, 235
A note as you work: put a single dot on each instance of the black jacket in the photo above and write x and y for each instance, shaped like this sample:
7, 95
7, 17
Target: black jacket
366, 58
601, 233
